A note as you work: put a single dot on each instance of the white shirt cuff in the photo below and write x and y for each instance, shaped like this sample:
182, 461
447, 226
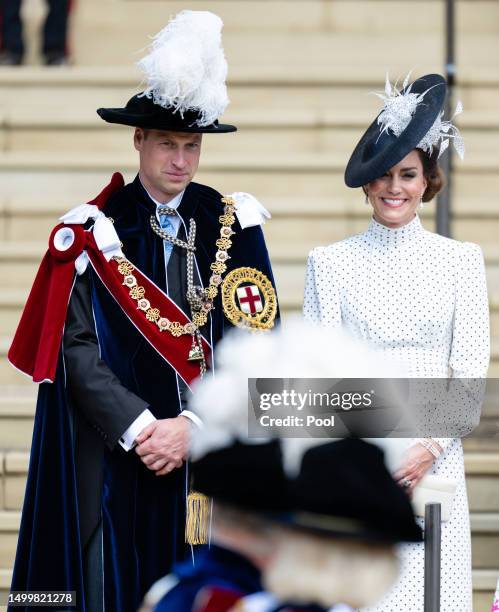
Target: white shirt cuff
127, 440
193, 417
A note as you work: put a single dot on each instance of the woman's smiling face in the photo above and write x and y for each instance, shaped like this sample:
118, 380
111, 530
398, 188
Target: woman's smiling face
396, 195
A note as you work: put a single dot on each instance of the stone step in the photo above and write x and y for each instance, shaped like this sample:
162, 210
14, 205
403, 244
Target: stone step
343, 85
482, 481
5, 581
332, 19
365, 16
324, 113
250, 109
297, 223
342, 205
484, 585
484, 528
9, 529
320, 136
10, 376
17, 408
15, 467
19, 274
482, 470
339, 16
20, 261
476, 163
74, 178
485, 540
283, 50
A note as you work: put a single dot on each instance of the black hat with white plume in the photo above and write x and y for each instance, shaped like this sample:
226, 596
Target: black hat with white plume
184, 74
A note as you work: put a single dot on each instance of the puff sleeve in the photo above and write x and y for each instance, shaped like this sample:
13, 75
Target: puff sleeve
470, 346
321, 302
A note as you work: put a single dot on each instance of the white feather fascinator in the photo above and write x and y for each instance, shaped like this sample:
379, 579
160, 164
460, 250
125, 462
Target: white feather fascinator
186, 69
399, 107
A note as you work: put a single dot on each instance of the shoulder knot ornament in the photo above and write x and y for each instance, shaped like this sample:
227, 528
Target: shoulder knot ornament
249, 211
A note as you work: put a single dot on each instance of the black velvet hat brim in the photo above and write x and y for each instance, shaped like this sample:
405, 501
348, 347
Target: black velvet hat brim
343, 529
374, 155
249, 476
141, 112
343, 489
356, 498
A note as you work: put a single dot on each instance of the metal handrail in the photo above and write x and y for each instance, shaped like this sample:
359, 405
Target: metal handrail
432, 549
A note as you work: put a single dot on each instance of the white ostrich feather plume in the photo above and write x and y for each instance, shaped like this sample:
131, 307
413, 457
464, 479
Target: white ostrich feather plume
297, 350
399, 107
186, 68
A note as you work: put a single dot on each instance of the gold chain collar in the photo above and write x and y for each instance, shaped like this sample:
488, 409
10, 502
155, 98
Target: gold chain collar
218, 267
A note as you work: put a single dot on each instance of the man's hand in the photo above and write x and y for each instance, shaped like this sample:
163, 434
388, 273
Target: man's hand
417, 461
163, 445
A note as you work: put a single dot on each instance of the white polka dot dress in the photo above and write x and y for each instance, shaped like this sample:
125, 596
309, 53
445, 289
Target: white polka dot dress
420, 298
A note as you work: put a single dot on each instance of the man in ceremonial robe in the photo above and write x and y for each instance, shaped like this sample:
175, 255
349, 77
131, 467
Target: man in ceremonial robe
104, 511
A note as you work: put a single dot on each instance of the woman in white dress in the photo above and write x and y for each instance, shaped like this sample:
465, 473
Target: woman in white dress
417, 297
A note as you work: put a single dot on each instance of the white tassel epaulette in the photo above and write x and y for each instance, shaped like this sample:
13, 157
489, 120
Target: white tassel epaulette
249, 211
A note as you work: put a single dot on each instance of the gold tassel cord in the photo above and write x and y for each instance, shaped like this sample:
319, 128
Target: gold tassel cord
197, 519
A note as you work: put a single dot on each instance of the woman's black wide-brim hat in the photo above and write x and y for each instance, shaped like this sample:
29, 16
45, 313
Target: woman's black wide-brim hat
377, 152
343, 489
140, 111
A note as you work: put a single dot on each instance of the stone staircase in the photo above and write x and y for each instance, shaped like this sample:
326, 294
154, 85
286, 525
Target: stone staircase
299, 75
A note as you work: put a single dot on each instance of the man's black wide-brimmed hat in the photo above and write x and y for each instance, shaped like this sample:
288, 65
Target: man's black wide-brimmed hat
184, 75
343, 489
379, 150
141, 111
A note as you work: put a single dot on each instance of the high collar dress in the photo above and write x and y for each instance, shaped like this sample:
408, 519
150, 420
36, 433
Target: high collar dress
419, 298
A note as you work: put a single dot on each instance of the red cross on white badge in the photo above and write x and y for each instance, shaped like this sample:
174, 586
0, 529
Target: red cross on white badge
250, 300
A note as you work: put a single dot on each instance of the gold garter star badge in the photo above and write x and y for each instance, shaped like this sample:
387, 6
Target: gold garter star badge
249, 299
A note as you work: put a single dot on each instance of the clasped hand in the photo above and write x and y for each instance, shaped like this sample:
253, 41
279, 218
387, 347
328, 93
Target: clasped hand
417, 461
163, 445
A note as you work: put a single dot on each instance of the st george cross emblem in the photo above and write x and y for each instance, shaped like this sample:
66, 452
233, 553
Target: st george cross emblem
250, 299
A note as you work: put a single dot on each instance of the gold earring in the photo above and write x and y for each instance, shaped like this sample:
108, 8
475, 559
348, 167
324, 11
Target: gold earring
366, 202
421, 203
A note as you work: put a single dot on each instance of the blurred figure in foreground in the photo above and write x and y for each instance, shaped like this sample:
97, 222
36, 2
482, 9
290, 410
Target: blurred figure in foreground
308, 542
296, 524
54, 44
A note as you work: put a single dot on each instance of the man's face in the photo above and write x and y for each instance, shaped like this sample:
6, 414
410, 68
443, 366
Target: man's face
168, 161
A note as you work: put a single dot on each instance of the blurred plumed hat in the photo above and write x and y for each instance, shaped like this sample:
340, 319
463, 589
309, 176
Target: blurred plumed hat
341, 487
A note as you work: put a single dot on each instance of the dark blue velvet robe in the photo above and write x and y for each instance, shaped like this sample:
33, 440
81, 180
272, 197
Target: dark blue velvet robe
76, 481
217, 567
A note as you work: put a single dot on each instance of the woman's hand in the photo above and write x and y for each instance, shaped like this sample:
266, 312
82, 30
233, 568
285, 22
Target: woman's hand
417, 461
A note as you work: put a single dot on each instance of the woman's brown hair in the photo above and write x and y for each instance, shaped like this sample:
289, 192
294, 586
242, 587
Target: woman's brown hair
432, 173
